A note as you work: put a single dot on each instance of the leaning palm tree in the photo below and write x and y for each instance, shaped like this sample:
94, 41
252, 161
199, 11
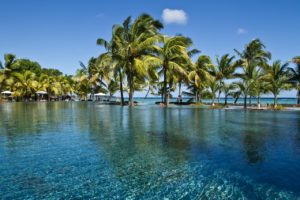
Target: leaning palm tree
228, 89
101, 71
152, 82
90, 72
294, 74
253, 56
242, 89
115, 52
172, 61
277, 79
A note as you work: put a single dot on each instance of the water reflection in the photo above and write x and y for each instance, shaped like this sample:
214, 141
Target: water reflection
143, 150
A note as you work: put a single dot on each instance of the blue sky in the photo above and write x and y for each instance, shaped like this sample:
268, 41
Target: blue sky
59, 34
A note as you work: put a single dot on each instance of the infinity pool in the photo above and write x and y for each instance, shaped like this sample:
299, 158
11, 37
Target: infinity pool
80, 150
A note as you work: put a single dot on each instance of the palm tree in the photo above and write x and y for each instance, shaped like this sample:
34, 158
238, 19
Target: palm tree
277, 79
235, 94
214, 86
227, 89
115, 53
101, 71
112, 88
26, 83
85, 81
45, 84
137, 41
82, 86
9, 60
242, 90
52, 85
295, 76
196, 90
6, 70
92, 75
24, 77
183, 79
253, 56
172, 60
200, 73
259, 85
66, 87
152, 85
224, 70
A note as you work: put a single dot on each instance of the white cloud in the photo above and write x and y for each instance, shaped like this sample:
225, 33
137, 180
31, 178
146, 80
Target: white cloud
241, 31
173, 16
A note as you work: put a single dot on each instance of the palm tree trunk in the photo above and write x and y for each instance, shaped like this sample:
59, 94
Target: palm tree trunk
200, 97
165, 86
129, 93
275, 101
298, 101
245, 101
131, 103
147, 92
131, 84
179, 85
168, 94
258, 101
196, 97
121, 88
130, 100
219, 94
250, 100
213, 101
236, 99
226, 99
26, 95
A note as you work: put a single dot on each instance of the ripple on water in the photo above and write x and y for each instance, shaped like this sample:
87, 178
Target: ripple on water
144, 156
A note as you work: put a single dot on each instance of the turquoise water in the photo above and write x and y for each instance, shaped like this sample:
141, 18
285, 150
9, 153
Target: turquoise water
68, 150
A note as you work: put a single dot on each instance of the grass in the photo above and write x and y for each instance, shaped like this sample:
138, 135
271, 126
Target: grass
279, 107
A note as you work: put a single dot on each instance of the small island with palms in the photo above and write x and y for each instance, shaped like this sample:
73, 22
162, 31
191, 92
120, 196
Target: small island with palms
152, 116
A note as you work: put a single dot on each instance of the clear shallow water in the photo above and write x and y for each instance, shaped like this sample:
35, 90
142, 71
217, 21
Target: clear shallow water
86, 150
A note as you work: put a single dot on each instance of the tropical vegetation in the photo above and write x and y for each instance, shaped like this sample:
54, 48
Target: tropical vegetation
138, 57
